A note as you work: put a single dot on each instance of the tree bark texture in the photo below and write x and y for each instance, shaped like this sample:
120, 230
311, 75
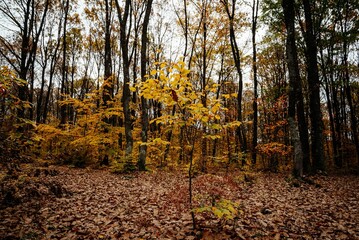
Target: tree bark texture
123, 15
294, 80
315, 114
144, 107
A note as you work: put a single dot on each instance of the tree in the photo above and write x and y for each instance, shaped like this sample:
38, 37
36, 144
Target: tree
108, 85
48, 60
230, 10
171, 85
123, 17
316, 131
27, 17
144, 107
348, 33
274, 144
255, 7
294, 85
64, 70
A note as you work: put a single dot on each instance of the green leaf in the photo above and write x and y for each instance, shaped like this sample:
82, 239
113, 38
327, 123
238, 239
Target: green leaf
201, 209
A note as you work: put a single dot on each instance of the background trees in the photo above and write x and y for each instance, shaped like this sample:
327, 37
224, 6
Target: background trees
24, 21
86, 61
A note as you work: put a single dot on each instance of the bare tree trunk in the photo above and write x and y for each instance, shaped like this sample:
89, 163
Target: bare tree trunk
203, 84
31, 90
108, 88
294, 80
25, 49
338, 119
237, 60
64, 83
144, 116
347, 87
42, 87
330, 105
53, 63
220, 80
255, 7
314, 91
123, 15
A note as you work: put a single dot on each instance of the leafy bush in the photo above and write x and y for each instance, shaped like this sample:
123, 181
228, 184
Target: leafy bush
222, 209
88, 141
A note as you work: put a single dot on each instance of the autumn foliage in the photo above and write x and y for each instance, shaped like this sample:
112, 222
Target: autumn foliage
212, 94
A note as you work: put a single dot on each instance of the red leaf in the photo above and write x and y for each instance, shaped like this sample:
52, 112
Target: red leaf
174, 95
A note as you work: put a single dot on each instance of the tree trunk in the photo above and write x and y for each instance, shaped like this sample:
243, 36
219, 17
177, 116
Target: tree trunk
53, 63
64, 83
294, 80
219, 82
330, 104
347, 87
42, 87
255, 8
203, 86
31, 90
108, 88
25, 49
107, 94
237, 61
126, 97
338, 119
314, 92
144, 116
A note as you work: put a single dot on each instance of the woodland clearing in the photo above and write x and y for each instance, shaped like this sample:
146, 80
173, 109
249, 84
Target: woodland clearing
69, 203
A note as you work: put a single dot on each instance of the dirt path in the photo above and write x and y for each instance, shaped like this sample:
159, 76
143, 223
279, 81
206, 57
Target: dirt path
94, 204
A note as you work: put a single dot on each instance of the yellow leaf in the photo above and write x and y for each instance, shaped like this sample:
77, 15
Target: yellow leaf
205, 119
231, 209
227, 213
185, 72
217, 212
153, 72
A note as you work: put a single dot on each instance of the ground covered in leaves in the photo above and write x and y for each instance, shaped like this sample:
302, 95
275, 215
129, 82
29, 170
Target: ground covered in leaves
66, 203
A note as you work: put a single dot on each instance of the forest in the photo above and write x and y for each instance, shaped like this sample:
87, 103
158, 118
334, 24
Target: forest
179, 119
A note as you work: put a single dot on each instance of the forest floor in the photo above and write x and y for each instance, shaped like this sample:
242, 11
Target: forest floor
67, 203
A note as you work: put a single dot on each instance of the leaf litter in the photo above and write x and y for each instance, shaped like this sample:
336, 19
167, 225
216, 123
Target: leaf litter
95, 204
